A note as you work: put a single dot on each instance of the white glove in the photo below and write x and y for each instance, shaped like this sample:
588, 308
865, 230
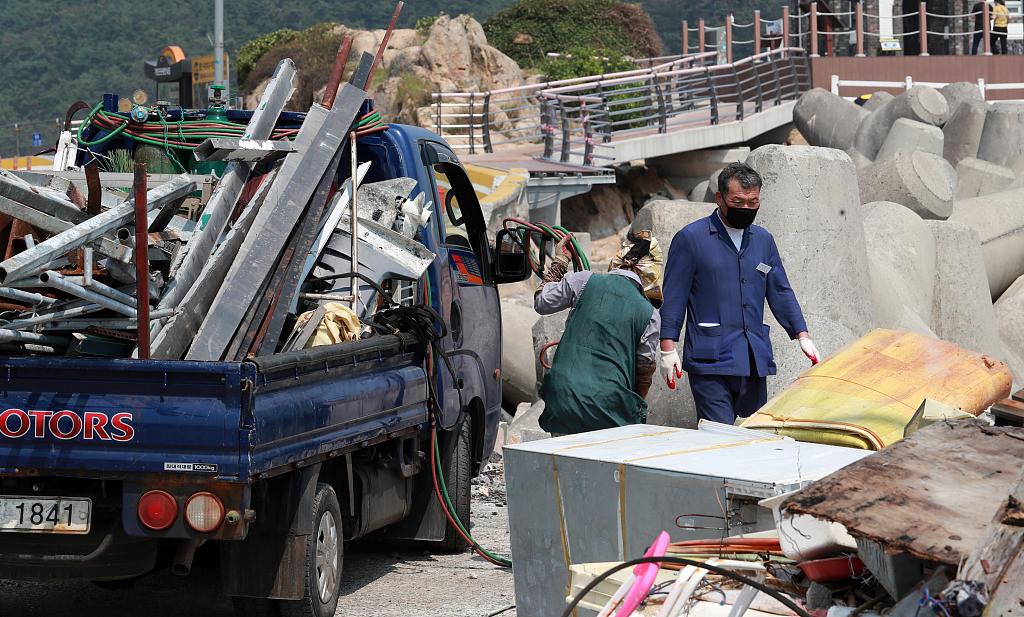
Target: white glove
807, 346
670, 366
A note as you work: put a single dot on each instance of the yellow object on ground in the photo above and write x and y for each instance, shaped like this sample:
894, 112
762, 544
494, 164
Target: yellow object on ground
339, 325
866, 394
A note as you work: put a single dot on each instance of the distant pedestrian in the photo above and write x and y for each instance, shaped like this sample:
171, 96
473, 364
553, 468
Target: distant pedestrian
979, 25
1000, 22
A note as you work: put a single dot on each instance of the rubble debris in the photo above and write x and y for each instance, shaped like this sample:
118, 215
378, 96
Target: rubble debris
866, 394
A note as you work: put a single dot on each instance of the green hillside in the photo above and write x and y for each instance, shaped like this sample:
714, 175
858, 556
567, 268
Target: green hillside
54, 52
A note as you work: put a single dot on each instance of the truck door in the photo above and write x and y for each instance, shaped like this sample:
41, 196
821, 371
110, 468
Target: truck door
472, 309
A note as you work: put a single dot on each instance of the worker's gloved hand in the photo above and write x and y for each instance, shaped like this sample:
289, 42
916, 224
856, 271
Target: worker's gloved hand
561, 248
671, 366
807, 346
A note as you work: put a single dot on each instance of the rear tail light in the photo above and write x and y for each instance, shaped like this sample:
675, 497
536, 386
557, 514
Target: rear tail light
204, 512
157, 510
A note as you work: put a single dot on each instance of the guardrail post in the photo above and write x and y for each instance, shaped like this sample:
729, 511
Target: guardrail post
606, 117
547, 127
814, 30
566, 137
757, 32
437, 115
712, 96
923, 21
858, 11
759, 103
739, 94
785, 26
775, 78
472, 135
486, 128
685, 31
986, 28
662, 112
700, 37
728, 38
588, 136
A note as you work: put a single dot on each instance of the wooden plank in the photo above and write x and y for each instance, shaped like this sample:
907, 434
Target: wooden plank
926, 494
998, 560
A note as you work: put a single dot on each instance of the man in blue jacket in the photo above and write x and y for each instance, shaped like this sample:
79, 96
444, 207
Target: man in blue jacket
720, 271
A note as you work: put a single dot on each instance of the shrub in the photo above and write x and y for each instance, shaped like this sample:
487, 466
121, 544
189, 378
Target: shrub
250, 53
313, 51
423, 24
583, 61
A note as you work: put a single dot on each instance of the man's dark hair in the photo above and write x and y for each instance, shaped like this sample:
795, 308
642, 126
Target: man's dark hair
744, 174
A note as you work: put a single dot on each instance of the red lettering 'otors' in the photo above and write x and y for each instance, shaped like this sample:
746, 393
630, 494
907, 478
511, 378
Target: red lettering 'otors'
14, 423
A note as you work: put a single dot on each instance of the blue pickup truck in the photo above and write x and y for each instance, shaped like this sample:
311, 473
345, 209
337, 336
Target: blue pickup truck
111, 468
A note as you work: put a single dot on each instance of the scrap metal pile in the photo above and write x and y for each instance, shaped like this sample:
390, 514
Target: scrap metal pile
263, 262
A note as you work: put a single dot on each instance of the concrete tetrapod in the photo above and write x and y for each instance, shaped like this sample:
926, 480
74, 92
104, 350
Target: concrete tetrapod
809, 202
963, 131
700, 192
518, 373
961, 92
909, 135
976, 177
901, 262
921, 181
827, 120
999, 221
877, 100
919, 103
1009, 312
1002, 141
962, 309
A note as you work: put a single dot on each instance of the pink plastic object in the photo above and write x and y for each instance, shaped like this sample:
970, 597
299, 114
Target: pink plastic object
645, 574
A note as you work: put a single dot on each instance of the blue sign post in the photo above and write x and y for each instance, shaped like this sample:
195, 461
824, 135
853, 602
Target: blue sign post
37, 139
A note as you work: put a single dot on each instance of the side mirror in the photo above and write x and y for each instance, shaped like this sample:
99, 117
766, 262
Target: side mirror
511, 265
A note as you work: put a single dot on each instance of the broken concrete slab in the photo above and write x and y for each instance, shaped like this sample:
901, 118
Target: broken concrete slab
909, 135
525, 426
919, 103
999, 220
901, 262
962, 132
1002, 141
962, 307
976, 177
810, 203
827, 120
921, 181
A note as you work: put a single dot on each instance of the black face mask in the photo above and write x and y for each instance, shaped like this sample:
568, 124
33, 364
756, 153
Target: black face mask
740, 218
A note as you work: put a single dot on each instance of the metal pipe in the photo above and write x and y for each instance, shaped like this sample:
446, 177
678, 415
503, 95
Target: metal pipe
218, 44
142, 261
383, 45
27, 297
183, 556
354, 218
106, 290
337, 71
57, 281
16, 336
222, 202
87, 266
32, 260
110, 323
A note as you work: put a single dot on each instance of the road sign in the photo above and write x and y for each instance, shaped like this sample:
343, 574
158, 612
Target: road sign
37, 139
202, 69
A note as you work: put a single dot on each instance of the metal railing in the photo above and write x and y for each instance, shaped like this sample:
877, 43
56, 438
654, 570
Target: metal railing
571, 119
909, 82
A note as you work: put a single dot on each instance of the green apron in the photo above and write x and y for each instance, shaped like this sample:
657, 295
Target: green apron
592, 377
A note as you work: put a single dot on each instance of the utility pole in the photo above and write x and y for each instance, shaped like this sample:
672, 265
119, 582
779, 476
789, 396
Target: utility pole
219, 78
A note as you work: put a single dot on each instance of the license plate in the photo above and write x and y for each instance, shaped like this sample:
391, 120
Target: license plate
45, 514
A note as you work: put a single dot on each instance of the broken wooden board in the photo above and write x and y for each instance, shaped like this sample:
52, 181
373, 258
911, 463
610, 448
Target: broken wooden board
998, 560
928, 495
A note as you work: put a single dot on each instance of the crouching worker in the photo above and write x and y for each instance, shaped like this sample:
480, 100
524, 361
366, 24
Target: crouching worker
607, 357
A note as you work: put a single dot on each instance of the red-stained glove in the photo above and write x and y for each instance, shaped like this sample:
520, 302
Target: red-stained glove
670, 366
807, 346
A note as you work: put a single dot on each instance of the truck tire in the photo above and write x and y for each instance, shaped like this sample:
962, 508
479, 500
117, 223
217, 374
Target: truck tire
457, 463
324, 557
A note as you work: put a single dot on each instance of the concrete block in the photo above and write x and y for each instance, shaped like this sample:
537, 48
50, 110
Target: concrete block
923, 182
976, 177
1002, 141
877, 100
827, 120
664, 218
901, 263
962, 308
700, 191
518, 371
962, 132
961, 92
547, 329
1009, 312
698, 163
909, 135
709, 196
810, 203
999, 221
525, 426
919, 103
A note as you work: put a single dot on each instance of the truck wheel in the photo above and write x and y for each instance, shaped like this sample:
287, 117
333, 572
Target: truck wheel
457, 463
324, 555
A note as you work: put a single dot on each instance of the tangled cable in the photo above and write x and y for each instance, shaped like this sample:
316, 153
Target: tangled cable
532, 235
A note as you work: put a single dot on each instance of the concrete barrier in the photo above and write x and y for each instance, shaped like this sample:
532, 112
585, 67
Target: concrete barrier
901, 262
962, 132
976, 177
919, 103
1002, 141
909, 135
827, 120
810, 203
1009, 312
923, 182
999, 221
962, 308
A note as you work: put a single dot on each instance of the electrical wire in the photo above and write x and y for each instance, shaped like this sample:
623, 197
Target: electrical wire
683, 562
533, 234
